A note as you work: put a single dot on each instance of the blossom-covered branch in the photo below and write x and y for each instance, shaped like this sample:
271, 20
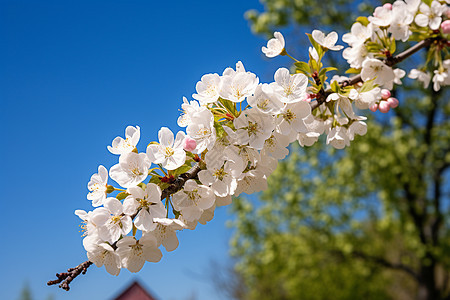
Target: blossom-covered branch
237, 129
390, 61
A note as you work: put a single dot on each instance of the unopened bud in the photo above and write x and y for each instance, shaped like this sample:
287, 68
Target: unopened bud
385, 94
373, 107
308, 98
388, 6
445, 26
393, 102
384, 106
189, 144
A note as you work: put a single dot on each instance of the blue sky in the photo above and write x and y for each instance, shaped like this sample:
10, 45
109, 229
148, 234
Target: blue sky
73, 75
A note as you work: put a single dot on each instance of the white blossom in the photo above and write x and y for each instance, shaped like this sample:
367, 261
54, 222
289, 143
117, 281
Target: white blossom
275, 46
121, 146
169, 153
401, 19
131, 170
98, 186
276, 146
291, 118
253, 128
193, 200
221, 173
313, 53
376, 69
101, 253
315, 129
430, 15
265, 100
116, 222
134, 253
440, 79
338, 137
202, 130
357, 35
207, 88
238, 87
165, 232
365, 99
289, 88
89, 227
421, 76
327, 41
147, 203
251, 182
189, 109
382, 17
356, 55
399, 74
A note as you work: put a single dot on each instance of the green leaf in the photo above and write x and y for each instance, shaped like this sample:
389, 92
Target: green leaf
367, 86
303, 67
122, 195
229, 105
363, 20
155, 180
335, 87
353, 71
392, 46
181, 170
314, 65
219, 130
315, 44
373, 47
324, 70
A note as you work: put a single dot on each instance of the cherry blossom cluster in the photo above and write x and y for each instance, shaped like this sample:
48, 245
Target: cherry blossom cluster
374, 38
237, 128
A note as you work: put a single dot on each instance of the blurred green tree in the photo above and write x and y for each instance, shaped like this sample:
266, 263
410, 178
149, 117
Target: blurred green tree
25, 293
367, 222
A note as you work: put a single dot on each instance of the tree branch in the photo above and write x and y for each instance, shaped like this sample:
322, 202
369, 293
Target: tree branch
385, 263
391, 61
180, 181
70, 275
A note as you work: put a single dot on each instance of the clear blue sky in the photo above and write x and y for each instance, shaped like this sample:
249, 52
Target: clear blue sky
73, 75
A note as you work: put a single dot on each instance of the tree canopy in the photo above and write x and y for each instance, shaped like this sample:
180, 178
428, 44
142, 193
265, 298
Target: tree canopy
370, 222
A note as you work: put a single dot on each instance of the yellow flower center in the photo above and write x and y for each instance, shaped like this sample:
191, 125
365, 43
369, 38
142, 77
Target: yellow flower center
289, 115
168, 152
220, 173
263, 104
252, 128
136, 172
116, 219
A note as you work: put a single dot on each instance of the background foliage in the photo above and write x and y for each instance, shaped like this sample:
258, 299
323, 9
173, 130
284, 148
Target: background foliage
367, 222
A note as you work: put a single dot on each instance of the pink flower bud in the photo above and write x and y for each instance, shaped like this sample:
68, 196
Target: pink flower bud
385, 94
388, 6
384, 106
373, 107
445, 26
307, 98
189, 144
393, 102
